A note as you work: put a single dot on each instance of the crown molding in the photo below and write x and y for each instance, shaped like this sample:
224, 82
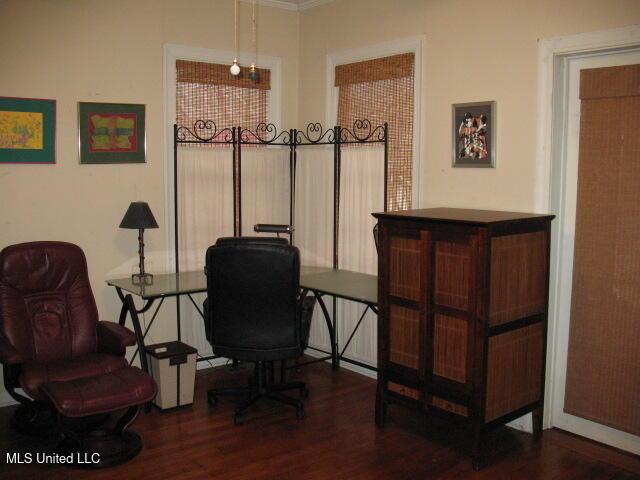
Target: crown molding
306, 5
312, 4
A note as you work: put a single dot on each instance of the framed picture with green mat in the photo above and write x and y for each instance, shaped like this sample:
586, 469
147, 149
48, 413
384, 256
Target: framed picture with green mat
111, 133
27, 130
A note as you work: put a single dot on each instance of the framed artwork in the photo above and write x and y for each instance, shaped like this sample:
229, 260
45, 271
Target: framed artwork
27, 130
111, 133
474, 134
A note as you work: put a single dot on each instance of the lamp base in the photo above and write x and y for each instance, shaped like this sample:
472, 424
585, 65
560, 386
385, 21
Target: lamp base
142, 279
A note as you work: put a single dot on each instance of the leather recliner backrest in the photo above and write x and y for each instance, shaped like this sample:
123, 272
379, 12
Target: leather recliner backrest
47, 309
253, 286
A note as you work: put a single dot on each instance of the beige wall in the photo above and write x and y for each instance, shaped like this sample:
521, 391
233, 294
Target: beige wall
487, 54
80, 50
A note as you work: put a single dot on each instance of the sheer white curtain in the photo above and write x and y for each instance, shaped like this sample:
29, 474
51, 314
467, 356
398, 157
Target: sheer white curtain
205, 203
314, 217
361, 193
265, 187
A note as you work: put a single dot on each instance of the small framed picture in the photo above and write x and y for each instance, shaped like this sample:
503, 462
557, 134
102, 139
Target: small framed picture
111, 133
474, 134
27, 130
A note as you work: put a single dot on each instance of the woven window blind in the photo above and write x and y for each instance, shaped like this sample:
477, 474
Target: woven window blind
381, 90
603, 363
207, 91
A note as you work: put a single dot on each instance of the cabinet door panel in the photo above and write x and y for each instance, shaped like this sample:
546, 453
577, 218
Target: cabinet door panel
452, 274
404, 337
450, 339
404, 268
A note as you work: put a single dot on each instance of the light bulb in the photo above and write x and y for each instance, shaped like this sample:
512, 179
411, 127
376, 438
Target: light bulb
235, 68
253, 73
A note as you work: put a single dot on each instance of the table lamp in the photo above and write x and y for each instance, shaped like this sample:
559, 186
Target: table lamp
139, 216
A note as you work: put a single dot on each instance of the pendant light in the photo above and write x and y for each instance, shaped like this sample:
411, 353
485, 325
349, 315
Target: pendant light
253, 71
235, 68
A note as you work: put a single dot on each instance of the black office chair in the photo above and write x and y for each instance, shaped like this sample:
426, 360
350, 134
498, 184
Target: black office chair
254, 313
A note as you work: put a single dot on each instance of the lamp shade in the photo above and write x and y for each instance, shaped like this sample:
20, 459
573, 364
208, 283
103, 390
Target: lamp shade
138, 216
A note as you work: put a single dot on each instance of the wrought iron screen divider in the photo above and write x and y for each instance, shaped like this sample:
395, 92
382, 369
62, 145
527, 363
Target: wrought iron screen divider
206, 132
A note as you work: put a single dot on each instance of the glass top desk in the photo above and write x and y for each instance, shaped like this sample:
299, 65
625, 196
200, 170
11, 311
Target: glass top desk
321, 281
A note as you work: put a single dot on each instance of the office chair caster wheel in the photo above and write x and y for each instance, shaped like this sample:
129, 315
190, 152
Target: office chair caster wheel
299, 413
304, 393
212, 399
238, 419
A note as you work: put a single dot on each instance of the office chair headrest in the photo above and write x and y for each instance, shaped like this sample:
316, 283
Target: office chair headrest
228, 241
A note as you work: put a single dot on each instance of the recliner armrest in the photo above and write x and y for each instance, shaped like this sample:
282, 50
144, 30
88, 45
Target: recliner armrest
8, 354
114, 338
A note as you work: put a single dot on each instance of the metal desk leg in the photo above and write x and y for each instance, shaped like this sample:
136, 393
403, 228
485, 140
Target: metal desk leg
330, 327
124, 309
128, 307
353, 332
138, 331
131, 307
334, 321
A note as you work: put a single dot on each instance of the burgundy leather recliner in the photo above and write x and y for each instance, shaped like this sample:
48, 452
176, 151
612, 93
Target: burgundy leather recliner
67, 362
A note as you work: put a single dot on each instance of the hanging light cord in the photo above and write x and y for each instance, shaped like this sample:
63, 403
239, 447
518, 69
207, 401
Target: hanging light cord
235, 68
255, 30
237, 37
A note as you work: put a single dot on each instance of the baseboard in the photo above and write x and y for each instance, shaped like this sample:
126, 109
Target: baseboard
524, 423
215, 362
6, 399
346, 365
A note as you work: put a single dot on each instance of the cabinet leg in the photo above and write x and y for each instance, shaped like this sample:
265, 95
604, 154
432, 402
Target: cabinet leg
477, 458
381, 411
537, 423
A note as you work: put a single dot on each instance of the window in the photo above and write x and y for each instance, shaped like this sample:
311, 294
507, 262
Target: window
207, 91
382, 90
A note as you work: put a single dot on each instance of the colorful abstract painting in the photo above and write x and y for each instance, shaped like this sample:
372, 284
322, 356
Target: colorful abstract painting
474, 134
27, 130
111, 133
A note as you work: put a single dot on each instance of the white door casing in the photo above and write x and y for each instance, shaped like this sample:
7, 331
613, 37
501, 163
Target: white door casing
561, 60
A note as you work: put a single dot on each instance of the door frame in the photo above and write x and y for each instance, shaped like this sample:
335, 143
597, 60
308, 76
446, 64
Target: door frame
552, 136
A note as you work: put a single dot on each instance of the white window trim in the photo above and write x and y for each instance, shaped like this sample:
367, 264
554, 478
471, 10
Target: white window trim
174, 52
413, 45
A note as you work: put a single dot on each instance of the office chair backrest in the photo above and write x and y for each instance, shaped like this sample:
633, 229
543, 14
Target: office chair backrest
47, 309
253, 285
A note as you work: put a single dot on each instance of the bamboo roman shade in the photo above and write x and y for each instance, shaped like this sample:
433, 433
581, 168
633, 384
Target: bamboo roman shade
207, 91
603, 365
218, 74
381, 90
396, 66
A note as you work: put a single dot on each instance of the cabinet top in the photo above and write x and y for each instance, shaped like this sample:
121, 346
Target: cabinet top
461, 216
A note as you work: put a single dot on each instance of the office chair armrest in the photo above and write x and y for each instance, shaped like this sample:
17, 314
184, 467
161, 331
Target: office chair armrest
114, 339
272, 228
8, 354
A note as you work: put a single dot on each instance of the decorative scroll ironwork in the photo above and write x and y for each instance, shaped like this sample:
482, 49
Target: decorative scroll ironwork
362, 132
204, 131
265, 133
314, 134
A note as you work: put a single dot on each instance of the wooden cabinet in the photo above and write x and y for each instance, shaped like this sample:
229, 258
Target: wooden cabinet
462, 297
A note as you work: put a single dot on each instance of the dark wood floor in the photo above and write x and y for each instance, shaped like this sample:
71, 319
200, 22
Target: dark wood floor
336, 440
